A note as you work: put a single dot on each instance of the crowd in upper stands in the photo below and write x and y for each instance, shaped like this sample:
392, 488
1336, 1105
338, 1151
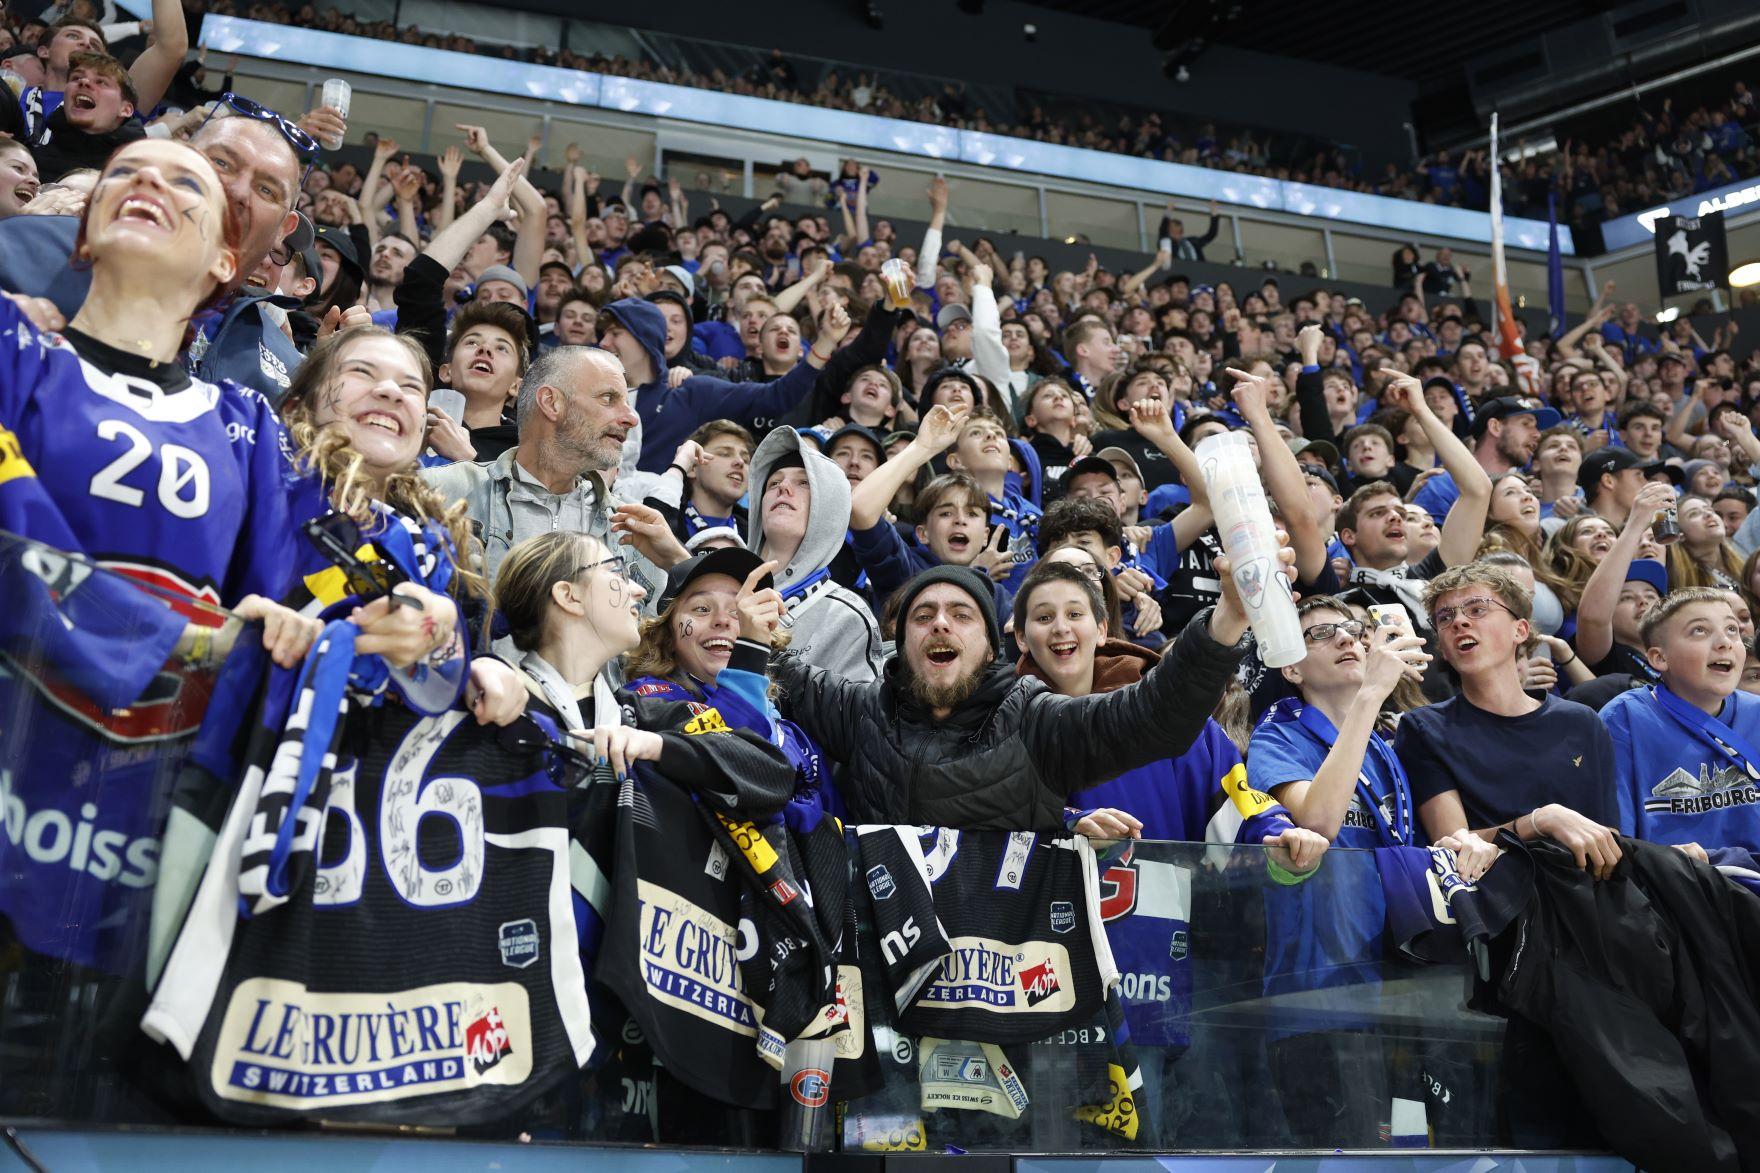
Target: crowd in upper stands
954, 482
1664, 153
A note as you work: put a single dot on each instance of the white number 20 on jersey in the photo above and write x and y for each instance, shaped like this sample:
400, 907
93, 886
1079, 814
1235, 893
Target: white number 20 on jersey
183, 474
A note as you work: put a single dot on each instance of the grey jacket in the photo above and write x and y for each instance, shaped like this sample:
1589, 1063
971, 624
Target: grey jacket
832, 627
487, 487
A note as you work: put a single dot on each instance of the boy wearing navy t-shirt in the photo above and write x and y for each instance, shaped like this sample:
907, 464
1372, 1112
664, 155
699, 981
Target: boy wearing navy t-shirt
1495, 757
1685, 756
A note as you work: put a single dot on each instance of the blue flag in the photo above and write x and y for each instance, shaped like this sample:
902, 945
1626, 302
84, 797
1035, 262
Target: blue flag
1554, 269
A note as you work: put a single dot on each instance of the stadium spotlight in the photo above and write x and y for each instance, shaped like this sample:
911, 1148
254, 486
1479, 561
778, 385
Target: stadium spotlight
1745, 274
875, 18
1031, 32
1664, 317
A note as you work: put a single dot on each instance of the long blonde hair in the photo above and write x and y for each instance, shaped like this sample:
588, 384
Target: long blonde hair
324, 450
1686, 571
1562, 561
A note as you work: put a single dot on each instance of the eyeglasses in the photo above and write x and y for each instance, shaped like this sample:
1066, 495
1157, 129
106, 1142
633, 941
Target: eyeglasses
1475, 608
1323, 632
622, 567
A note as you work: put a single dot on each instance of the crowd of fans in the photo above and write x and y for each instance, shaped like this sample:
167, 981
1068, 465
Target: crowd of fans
1664, 154
953, 481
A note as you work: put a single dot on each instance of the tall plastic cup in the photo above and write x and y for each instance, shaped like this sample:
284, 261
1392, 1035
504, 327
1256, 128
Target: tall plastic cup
1243, 519
337, 95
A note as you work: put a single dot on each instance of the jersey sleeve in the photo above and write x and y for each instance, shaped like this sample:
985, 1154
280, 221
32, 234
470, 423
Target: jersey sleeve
262, 559
23, 363
1619, 730
1277, 757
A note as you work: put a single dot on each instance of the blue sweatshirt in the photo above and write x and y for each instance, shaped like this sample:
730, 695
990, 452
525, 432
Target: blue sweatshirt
670, 414
1677, 786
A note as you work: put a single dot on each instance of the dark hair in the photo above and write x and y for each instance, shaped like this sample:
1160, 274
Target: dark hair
1642, 409
500, 314
1079, 515
950, 484
109, 67
1347, 515
504, 238
1046, 572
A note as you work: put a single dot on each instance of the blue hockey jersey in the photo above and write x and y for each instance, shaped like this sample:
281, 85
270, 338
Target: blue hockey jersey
1675, 784
177, 484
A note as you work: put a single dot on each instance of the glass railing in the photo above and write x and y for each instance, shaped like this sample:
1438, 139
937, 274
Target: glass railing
1261, 1014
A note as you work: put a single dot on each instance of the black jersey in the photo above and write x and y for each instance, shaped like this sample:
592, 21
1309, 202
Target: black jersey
423, 968
987, 936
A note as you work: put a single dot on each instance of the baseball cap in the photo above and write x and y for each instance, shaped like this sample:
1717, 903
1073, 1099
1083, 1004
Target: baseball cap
1324, 449
1086, 465
1508, 405
674, 297
1651, 571
1611, 461
1119, 456
302, 236
734, 561
714, 533
338, 239
1320, 474
1670, 356
683, 276
867, 434
949, 314
563, 265
503, 273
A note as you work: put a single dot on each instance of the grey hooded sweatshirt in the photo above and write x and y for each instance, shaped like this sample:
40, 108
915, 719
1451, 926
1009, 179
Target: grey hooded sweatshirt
833, 628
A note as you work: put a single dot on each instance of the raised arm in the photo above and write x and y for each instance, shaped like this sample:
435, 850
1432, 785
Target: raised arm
1149, 419
935, 435
929, 259
451, 243
1079, 741
153, 71
1320, 803
578, 178
371, 204
989, 357
528, 241
863, 232
791, 297
449, 162
1134, 281
1312, 420
1567, 345
1601, 595
1283, 474
1464, 526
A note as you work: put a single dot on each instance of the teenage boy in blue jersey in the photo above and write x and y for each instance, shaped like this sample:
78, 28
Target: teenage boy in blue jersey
1685, 756
1322, 756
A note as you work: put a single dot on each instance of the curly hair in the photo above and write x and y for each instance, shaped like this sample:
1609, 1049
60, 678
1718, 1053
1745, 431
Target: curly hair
324, 451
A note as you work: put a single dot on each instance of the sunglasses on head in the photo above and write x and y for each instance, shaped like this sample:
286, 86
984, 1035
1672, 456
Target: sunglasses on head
303, 144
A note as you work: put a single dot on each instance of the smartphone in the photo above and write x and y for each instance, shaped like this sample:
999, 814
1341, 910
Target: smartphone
1390, 615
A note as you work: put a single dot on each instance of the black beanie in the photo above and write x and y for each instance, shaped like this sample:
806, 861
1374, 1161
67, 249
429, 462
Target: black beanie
966, 579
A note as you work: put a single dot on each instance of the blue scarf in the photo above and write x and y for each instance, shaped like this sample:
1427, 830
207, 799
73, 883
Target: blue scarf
1392, 813
1709, 729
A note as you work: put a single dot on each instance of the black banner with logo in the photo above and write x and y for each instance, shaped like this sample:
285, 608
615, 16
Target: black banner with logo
1692, 254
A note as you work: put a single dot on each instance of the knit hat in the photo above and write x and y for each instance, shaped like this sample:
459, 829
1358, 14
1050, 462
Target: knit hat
503, 273
966, 579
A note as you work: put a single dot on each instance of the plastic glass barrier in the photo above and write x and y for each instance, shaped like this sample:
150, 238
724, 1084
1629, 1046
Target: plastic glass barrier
1262, 1015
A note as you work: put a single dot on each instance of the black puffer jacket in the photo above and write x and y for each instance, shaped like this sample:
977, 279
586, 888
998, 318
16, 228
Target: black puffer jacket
1007, 758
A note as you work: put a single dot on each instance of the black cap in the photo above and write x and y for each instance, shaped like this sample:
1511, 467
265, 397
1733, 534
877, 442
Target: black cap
1610, 461
736, 562
1508, 405
339, 239
1084, 466
865, 433
966, 579
676, 298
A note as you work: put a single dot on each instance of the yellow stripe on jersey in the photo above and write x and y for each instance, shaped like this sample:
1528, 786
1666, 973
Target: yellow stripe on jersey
1247, 801
12, 462
330, 586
